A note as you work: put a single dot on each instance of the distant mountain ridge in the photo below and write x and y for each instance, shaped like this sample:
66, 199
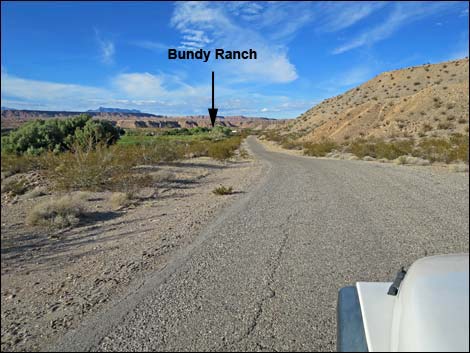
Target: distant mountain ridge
113, 110
13, 118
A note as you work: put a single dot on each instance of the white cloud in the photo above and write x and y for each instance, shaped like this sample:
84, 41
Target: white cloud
140, 85
204, 23
33, 90
107, 49
144, 91
402, 14
335, 16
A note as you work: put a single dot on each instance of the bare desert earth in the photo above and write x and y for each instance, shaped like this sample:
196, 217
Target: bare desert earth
51, 280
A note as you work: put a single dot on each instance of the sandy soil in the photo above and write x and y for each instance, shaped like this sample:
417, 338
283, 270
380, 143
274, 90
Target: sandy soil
50, 281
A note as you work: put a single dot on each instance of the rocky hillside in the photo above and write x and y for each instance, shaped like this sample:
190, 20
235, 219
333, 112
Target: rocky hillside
420, 101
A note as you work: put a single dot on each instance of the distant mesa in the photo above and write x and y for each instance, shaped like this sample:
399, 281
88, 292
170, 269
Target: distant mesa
133, 118
114, 110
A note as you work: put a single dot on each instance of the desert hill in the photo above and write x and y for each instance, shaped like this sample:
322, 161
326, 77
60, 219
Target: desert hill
420, 101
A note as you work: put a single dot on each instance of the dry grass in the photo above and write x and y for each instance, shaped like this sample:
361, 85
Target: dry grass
224, 149
57, 213
120, 200
410, 160
380, 149
15, 187
319, 149
36, 192
223, 190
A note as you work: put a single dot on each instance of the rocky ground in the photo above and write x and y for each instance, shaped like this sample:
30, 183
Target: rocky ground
51, 280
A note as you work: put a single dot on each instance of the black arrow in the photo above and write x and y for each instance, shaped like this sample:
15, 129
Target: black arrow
213, 111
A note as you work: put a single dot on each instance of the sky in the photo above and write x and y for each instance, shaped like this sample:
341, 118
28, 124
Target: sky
77, 56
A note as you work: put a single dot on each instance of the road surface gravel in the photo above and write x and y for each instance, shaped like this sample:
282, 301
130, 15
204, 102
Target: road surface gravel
265, 274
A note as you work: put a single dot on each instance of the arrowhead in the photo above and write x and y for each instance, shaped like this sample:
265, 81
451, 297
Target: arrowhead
213, 115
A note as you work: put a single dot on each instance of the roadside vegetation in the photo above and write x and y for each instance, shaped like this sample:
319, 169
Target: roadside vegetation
81, 154
64, 212
223, 190
59, 135
453, 149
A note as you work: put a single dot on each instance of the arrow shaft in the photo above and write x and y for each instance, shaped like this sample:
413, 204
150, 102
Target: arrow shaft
212, 89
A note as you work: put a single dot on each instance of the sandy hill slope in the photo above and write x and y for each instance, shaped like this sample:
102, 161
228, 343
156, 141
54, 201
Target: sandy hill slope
420, 101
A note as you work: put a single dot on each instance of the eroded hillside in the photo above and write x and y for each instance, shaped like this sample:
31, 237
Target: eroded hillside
420, 101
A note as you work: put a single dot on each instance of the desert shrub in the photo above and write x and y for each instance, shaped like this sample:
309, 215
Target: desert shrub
222, 190
38, 136
320, 149
15, 186
220, 132
120, 199
288, 141
380, 149
164, 151
244, 153
130, 182
402, 160
96, 132
57, 213
36, 192
192, 131
12, 163
224, 149
426, 127
85, 169
443, 150
196, 149
444, 125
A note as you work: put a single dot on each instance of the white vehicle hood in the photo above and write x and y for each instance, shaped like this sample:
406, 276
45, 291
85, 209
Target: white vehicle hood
430, 313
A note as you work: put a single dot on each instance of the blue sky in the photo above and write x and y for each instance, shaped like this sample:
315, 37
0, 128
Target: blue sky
81, 55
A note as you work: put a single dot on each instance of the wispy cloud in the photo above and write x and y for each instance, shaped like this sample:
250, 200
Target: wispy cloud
150, 45
201, 23
106, 47
401, 15
336, 16
48, 94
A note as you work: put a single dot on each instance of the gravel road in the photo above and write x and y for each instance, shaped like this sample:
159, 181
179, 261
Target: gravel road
265, 274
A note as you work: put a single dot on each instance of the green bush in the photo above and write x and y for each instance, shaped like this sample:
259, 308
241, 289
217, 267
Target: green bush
381, 149
224, 149
319, 149
58, 135
444, 150
95, 132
